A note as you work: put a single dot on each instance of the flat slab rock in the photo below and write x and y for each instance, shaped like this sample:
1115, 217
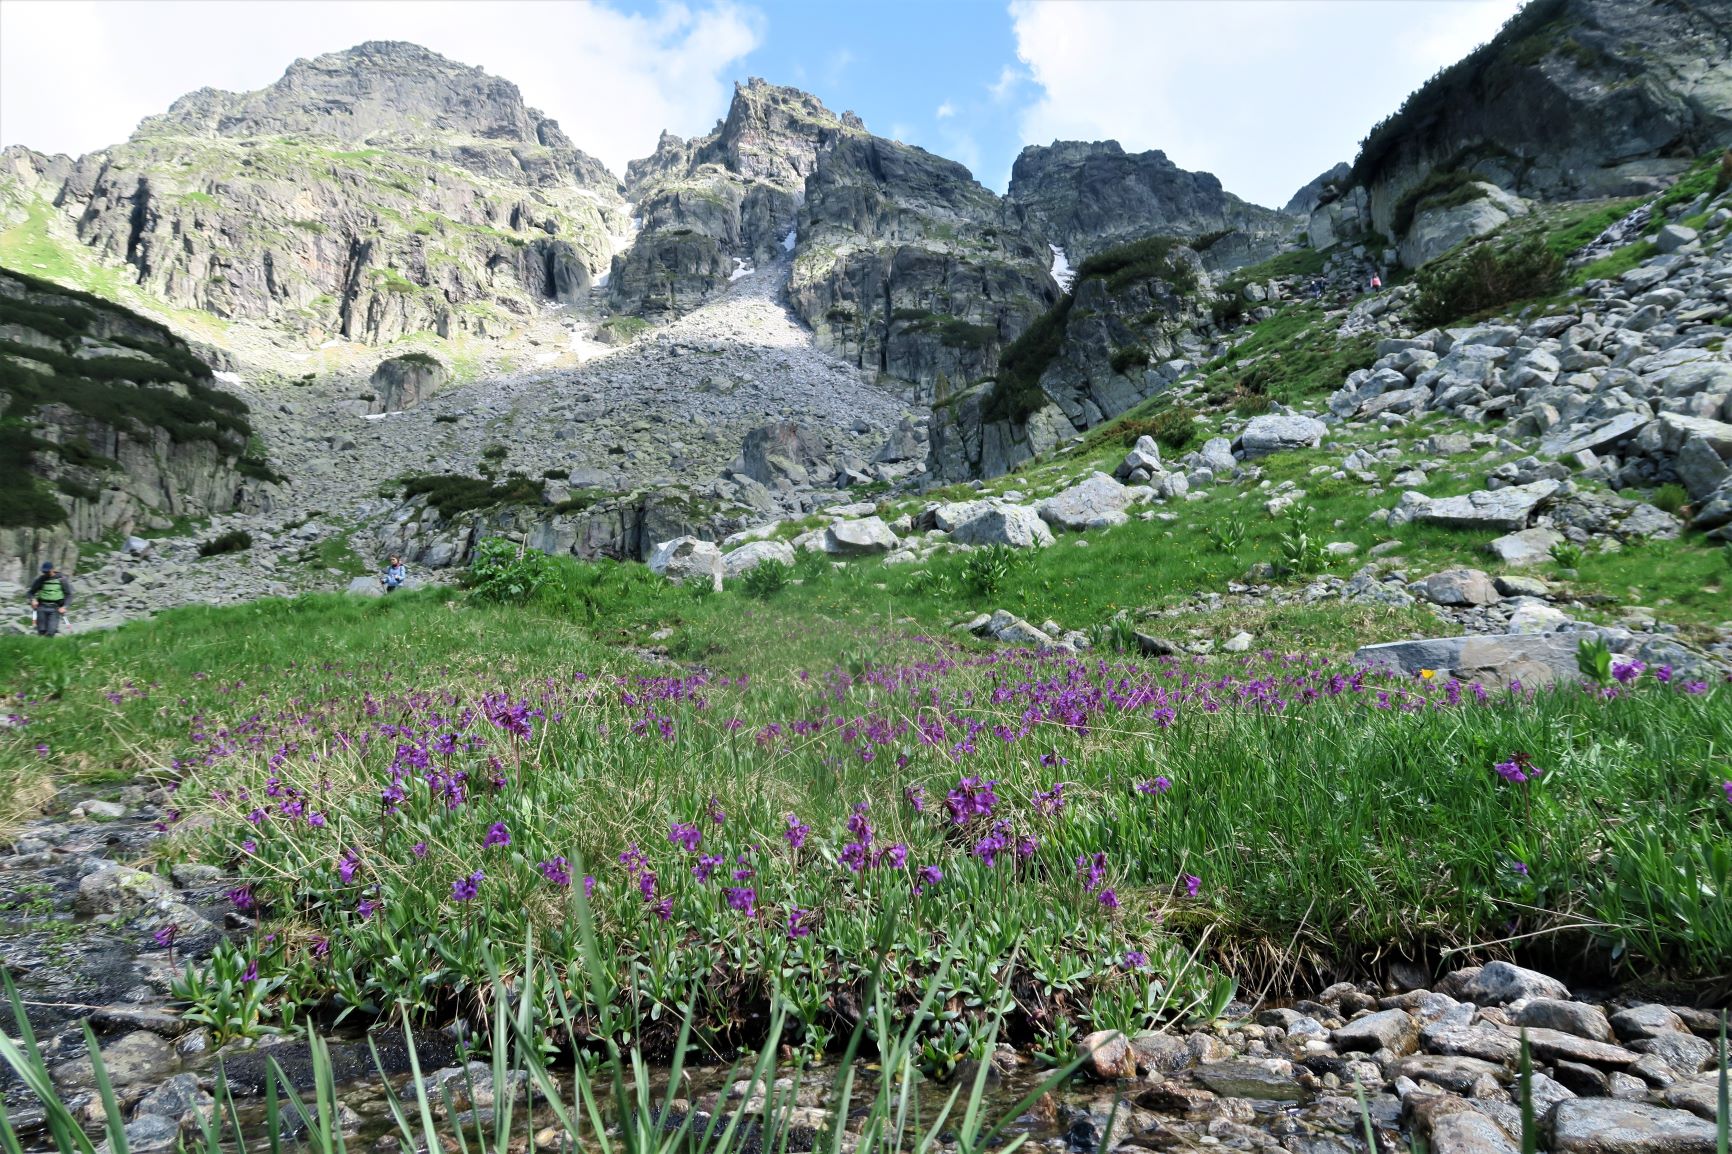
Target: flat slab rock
1509, 508
1534, 660
1610, 1126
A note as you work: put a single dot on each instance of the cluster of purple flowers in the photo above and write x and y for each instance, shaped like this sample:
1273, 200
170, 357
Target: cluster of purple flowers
1519, 769
971, 798
465, 888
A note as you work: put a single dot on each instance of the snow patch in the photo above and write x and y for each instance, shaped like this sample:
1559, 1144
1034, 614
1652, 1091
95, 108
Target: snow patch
788, 241
228, 378
601, 279
1061, 270
546, 358
331, 344
741, 269
381, 416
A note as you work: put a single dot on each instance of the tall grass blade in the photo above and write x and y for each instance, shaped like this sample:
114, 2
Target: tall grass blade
115, 1122
1525, 1075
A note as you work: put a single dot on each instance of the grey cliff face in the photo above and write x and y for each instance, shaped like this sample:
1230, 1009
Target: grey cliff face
906, 267
1574, 98
710, 205
1086, 197
141, 434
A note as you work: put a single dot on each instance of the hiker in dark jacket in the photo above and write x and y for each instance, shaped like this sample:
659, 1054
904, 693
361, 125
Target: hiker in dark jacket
50, 594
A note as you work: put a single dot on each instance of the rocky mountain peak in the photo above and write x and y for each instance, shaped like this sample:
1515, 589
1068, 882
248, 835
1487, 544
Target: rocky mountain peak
379, 90
1086, 196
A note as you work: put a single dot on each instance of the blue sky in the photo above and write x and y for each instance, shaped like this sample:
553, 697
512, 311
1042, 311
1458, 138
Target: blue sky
1264, 93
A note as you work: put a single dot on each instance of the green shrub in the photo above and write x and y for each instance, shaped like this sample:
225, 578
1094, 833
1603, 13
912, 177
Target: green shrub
766, 578
452, 494
445, 419
234, 541
505, 571
1016, 393
1670, 498
1723, 174
953, 332
1124, 360
1147, 259
1486, 276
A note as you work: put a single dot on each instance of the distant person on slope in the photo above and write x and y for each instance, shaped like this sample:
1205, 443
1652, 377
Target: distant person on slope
395, 574
1376, 282
49, 595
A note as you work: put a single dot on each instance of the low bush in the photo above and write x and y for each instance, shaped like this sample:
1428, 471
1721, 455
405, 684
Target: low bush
766, 578
1487, 276
452, 493
1016, 393
234, 541
505, 571
1124, 360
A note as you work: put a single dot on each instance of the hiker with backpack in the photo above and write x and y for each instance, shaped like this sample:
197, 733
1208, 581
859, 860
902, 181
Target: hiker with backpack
49, 594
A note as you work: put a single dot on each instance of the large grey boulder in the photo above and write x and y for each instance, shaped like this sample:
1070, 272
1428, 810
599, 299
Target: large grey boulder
1533, 660
1510, 508
1217, 454
1571, 439
992, 523
1467, 1131
859, 538
404, 382
1525, 547
1500, 982
1459, 587
1007, 627
1611, 1126
1085, 505
1700, 468
786, 454
120, 890
1273, 433
754, 553
1715, 511
365, 587
1437, 230
686, 559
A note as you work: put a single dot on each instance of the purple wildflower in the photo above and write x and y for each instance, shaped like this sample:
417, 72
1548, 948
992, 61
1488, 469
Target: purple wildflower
916, 795
1092, 869
798, 925
970, 799
707, 865
1518, 770
465, 889
716, 814
419, 849
686, 835
744, 899
1108, 899
1052, 760
1050, 801
251, 973
1193, 885
1521, 867
588, 885
497, 835
347, 864
796, 832
366, 907
1154, 788
1727, 786
242, 898
928, 876
1136, 960
556, 870
249, 846
164, 936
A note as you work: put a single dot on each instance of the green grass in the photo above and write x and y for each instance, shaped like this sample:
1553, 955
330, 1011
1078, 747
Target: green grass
1320, 832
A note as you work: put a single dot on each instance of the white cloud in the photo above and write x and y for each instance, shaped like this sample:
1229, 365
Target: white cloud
1265, 96
1008, 78
612, 79
945, 111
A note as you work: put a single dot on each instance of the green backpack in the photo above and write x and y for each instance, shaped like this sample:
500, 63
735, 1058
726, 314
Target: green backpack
52, 590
